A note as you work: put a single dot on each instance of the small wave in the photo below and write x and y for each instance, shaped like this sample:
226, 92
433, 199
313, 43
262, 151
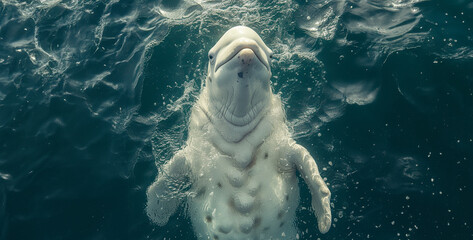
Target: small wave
320, 19
359, 93
179, 9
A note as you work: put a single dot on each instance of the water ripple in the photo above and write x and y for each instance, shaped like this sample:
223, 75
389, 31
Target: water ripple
104, 88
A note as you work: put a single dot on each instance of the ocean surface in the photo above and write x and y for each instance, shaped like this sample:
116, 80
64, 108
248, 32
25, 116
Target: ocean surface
95, 97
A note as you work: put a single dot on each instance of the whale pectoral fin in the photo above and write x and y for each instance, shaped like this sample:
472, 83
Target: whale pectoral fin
163, 195
320, 193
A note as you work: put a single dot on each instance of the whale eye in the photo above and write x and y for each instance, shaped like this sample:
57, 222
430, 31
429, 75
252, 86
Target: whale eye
211, 56
271, 56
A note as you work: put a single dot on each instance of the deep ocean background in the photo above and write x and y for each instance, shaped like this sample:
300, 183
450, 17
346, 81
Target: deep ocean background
95, 97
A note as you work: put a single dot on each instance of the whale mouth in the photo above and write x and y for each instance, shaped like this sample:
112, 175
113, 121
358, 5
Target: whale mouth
238, 46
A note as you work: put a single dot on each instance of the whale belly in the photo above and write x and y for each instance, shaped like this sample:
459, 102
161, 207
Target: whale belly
255, 202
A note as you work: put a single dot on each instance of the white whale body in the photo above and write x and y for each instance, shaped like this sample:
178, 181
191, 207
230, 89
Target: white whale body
239, 158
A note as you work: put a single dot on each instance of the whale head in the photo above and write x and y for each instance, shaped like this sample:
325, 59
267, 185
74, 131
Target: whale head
238, 80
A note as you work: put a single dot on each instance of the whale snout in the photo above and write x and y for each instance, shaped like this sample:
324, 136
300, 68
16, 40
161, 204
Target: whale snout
246, 56
235, 48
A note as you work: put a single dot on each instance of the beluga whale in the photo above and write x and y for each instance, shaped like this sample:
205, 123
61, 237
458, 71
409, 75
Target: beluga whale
239, 164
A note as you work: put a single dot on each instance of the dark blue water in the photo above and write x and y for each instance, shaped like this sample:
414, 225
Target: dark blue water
95, 95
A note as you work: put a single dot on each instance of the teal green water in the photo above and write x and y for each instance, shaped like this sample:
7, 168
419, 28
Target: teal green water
95, 95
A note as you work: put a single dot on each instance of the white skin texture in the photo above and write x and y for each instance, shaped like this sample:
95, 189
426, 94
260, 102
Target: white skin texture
239, 160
